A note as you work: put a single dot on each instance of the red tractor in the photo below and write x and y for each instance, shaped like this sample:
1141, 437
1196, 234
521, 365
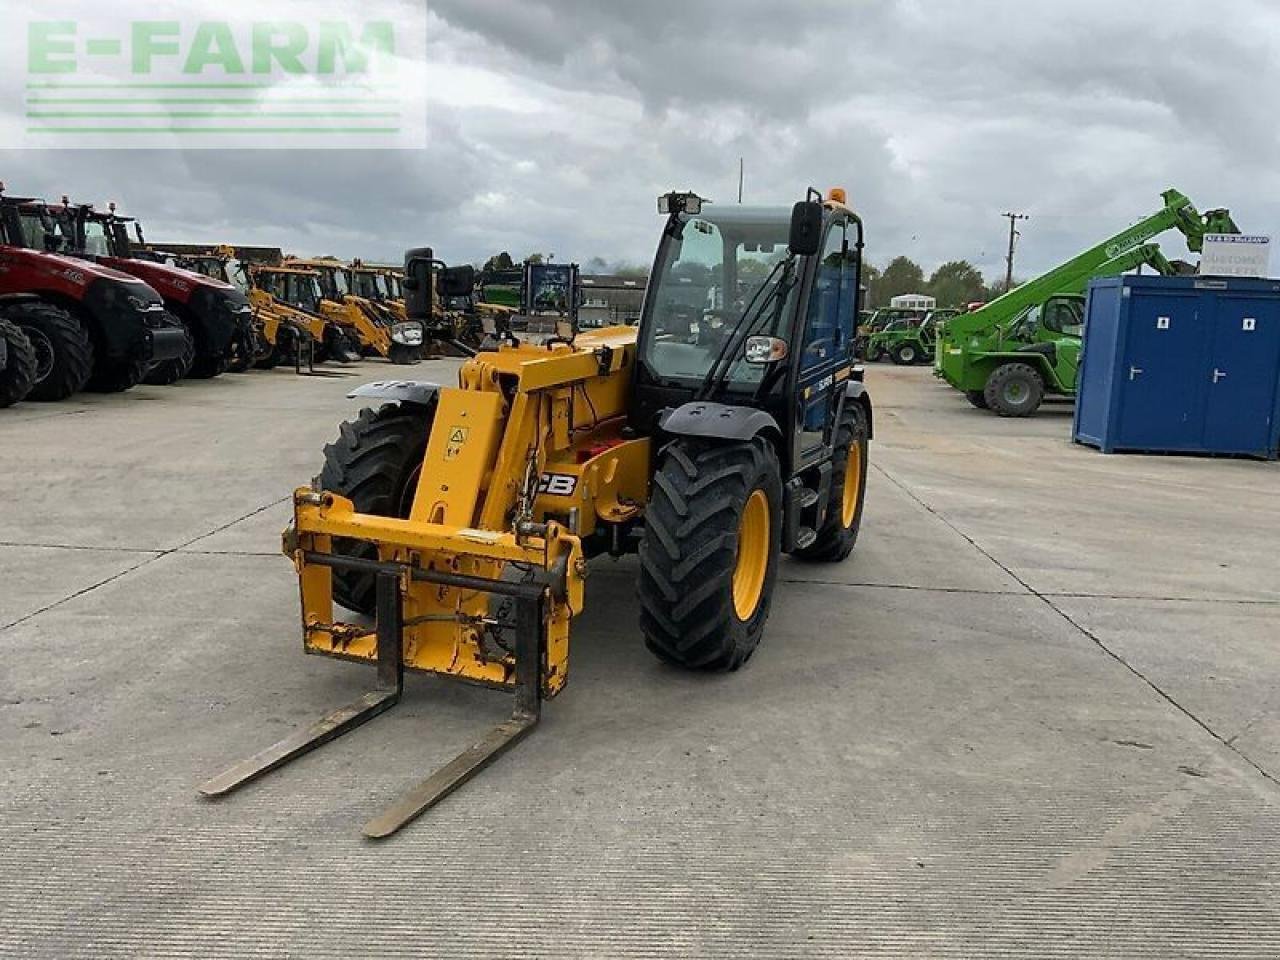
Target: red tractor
215, 314
91, 327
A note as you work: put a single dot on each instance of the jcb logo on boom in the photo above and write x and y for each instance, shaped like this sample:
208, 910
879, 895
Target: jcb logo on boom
558, 484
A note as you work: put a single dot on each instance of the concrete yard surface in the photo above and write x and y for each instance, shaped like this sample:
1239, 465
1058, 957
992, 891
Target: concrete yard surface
1034, 715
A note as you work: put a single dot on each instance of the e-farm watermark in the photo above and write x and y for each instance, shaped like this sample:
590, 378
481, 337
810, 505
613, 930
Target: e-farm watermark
270, 74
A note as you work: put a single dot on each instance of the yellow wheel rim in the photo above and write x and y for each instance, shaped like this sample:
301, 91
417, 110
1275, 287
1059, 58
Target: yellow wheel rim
753, 555
852, 484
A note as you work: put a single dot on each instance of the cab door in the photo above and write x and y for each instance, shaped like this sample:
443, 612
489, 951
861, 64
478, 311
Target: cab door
825, 344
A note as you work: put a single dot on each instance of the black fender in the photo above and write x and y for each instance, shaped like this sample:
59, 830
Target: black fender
719, 421
855, 391
417, 392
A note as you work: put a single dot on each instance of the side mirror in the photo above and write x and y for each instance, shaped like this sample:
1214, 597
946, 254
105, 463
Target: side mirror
459, 281
806, 228
417, 282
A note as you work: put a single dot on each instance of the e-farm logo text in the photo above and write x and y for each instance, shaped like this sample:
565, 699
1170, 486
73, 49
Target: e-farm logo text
260, 83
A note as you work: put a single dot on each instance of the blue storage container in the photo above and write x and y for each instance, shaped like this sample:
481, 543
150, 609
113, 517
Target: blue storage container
1181, 364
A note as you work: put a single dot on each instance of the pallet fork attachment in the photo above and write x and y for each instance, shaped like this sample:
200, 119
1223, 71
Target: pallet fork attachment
530, 644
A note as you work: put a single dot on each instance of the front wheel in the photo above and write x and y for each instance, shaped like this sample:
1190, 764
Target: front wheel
375, 463
175, 368
1014, 390
905, 354
839, 531
709, 557
402, 353
116, 376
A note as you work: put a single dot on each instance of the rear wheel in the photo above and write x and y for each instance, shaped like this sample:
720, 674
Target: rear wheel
64, 353
977, 397
18, 375
709, 557
374, 463
905, 354
1014, 390
839, 533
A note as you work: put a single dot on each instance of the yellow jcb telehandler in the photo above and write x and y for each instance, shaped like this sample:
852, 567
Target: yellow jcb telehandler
728, 428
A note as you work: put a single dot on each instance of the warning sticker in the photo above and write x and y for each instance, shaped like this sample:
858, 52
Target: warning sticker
457, 437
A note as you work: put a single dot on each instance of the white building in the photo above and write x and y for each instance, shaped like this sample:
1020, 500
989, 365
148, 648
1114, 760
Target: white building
913, 301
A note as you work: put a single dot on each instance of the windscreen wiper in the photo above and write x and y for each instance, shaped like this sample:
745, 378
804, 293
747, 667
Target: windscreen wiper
718, 374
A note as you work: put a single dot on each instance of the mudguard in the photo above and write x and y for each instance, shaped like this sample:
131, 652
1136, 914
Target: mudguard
719, 421
856, 391
400, 391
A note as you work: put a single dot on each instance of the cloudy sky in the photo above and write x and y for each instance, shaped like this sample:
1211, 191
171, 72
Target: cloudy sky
552, 126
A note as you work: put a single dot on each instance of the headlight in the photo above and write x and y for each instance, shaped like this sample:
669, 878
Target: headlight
409, 334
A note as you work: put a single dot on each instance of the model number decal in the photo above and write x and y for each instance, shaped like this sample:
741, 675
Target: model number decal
558, 484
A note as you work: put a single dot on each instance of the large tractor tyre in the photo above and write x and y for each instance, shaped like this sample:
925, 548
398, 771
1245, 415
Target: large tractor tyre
174, 369
905, 354
1014, 390
709, 557
18, 375
402, 353
849, 461
977, 397
64, 353
374, 463
116, 376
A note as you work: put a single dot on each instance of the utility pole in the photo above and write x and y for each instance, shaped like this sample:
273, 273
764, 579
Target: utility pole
1013, 239
740, 179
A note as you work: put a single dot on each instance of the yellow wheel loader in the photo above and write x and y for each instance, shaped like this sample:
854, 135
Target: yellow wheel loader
455, 523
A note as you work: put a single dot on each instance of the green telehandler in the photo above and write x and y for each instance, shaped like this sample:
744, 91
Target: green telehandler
1008, 355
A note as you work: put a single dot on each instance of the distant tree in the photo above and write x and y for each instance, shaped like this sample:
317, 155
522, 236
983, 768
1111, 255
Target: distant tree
631, 271
956, 283
902, 275
499, 261
998, 288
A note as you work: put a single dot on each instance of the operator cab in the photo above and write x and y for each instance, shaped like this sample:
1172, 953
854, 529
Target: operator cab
751, 307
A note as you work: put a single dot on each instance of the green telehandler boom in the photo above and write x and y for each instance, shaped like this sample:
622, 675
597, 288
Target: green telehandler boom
1007, 355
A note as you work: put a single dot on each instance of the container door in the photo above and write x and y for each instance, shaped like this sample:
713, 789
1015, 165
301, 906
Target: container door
1160, 378
1242, 379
